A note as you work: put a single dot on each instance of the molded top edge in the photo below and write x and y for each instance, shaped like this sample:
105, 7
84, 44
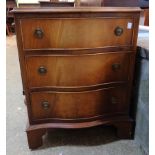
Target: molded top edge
75, 9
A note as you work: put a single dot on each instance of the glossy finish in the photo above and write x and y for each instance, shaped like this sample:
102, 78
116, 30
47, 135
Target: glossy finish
77, 67
78, 105
67, 33
77, 70
58, 10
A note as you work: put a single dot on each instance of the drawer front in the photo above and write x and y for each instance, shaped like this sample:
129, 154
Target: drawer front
74, 71
76, 33
76, 105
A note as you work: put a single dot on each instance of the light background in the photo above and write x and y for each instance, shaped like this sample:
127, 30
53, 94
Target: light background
2, 77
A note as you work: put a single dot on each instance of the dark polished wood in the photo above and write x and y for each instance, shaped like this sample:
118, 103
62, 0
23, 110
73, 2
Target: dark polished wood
67, 68
78, 105
123, 125
92, 10
34, 137
59, 33
146, 17
124, 129
77, 67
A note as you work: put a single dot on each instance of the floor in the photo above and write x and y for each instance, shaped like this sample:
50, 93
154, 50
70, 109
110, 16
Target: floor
94, 141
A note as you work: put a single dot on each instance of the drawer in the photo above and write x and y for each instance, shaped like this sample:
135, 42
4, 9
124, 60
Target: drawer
78, 105
76, 33
74, 70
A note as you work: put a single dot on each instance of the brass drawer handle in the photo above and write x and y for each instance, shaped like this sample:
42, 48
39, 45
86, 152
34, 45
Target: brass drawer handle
38, 33
116, 66
118, 31
45, 105
42, 70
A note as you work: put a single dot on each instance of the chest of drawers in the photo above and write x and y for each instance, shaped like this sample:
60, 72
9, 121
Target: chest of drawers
77, 67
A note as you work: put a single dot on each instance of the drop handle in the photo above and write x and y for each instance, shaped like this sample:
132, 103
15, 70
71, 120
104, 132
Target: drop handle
116, 66
118, 31
42, 70
38, 33
45, 105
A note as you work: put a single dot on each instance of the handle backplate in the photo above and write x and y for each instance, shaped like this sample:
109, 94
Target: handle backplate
38, 33
42, 70
45, 105
118, 31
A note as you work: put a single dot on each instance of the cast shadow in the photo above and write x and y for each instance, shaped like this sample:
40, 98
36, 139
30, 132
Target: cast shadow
94, 136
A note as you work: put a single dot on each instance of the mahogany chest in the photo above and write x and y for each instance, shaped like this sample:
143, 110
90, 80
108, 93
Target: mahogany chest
77, 67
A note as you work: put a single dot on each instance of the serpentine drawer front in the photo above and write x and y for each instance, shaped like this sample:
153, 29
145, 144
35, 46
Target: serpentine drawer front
77, 67
76, 33
77, 70
78, 105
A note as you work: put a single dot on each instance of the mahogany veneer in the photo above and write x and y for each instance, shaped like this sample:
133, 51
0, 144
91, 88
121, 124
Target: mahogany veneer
77, 67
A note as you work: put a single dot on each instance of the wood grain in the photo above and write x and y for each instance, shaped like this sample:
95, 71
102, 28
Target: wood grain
75, 105
75, 10
85, 70
75, 33
76, 71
